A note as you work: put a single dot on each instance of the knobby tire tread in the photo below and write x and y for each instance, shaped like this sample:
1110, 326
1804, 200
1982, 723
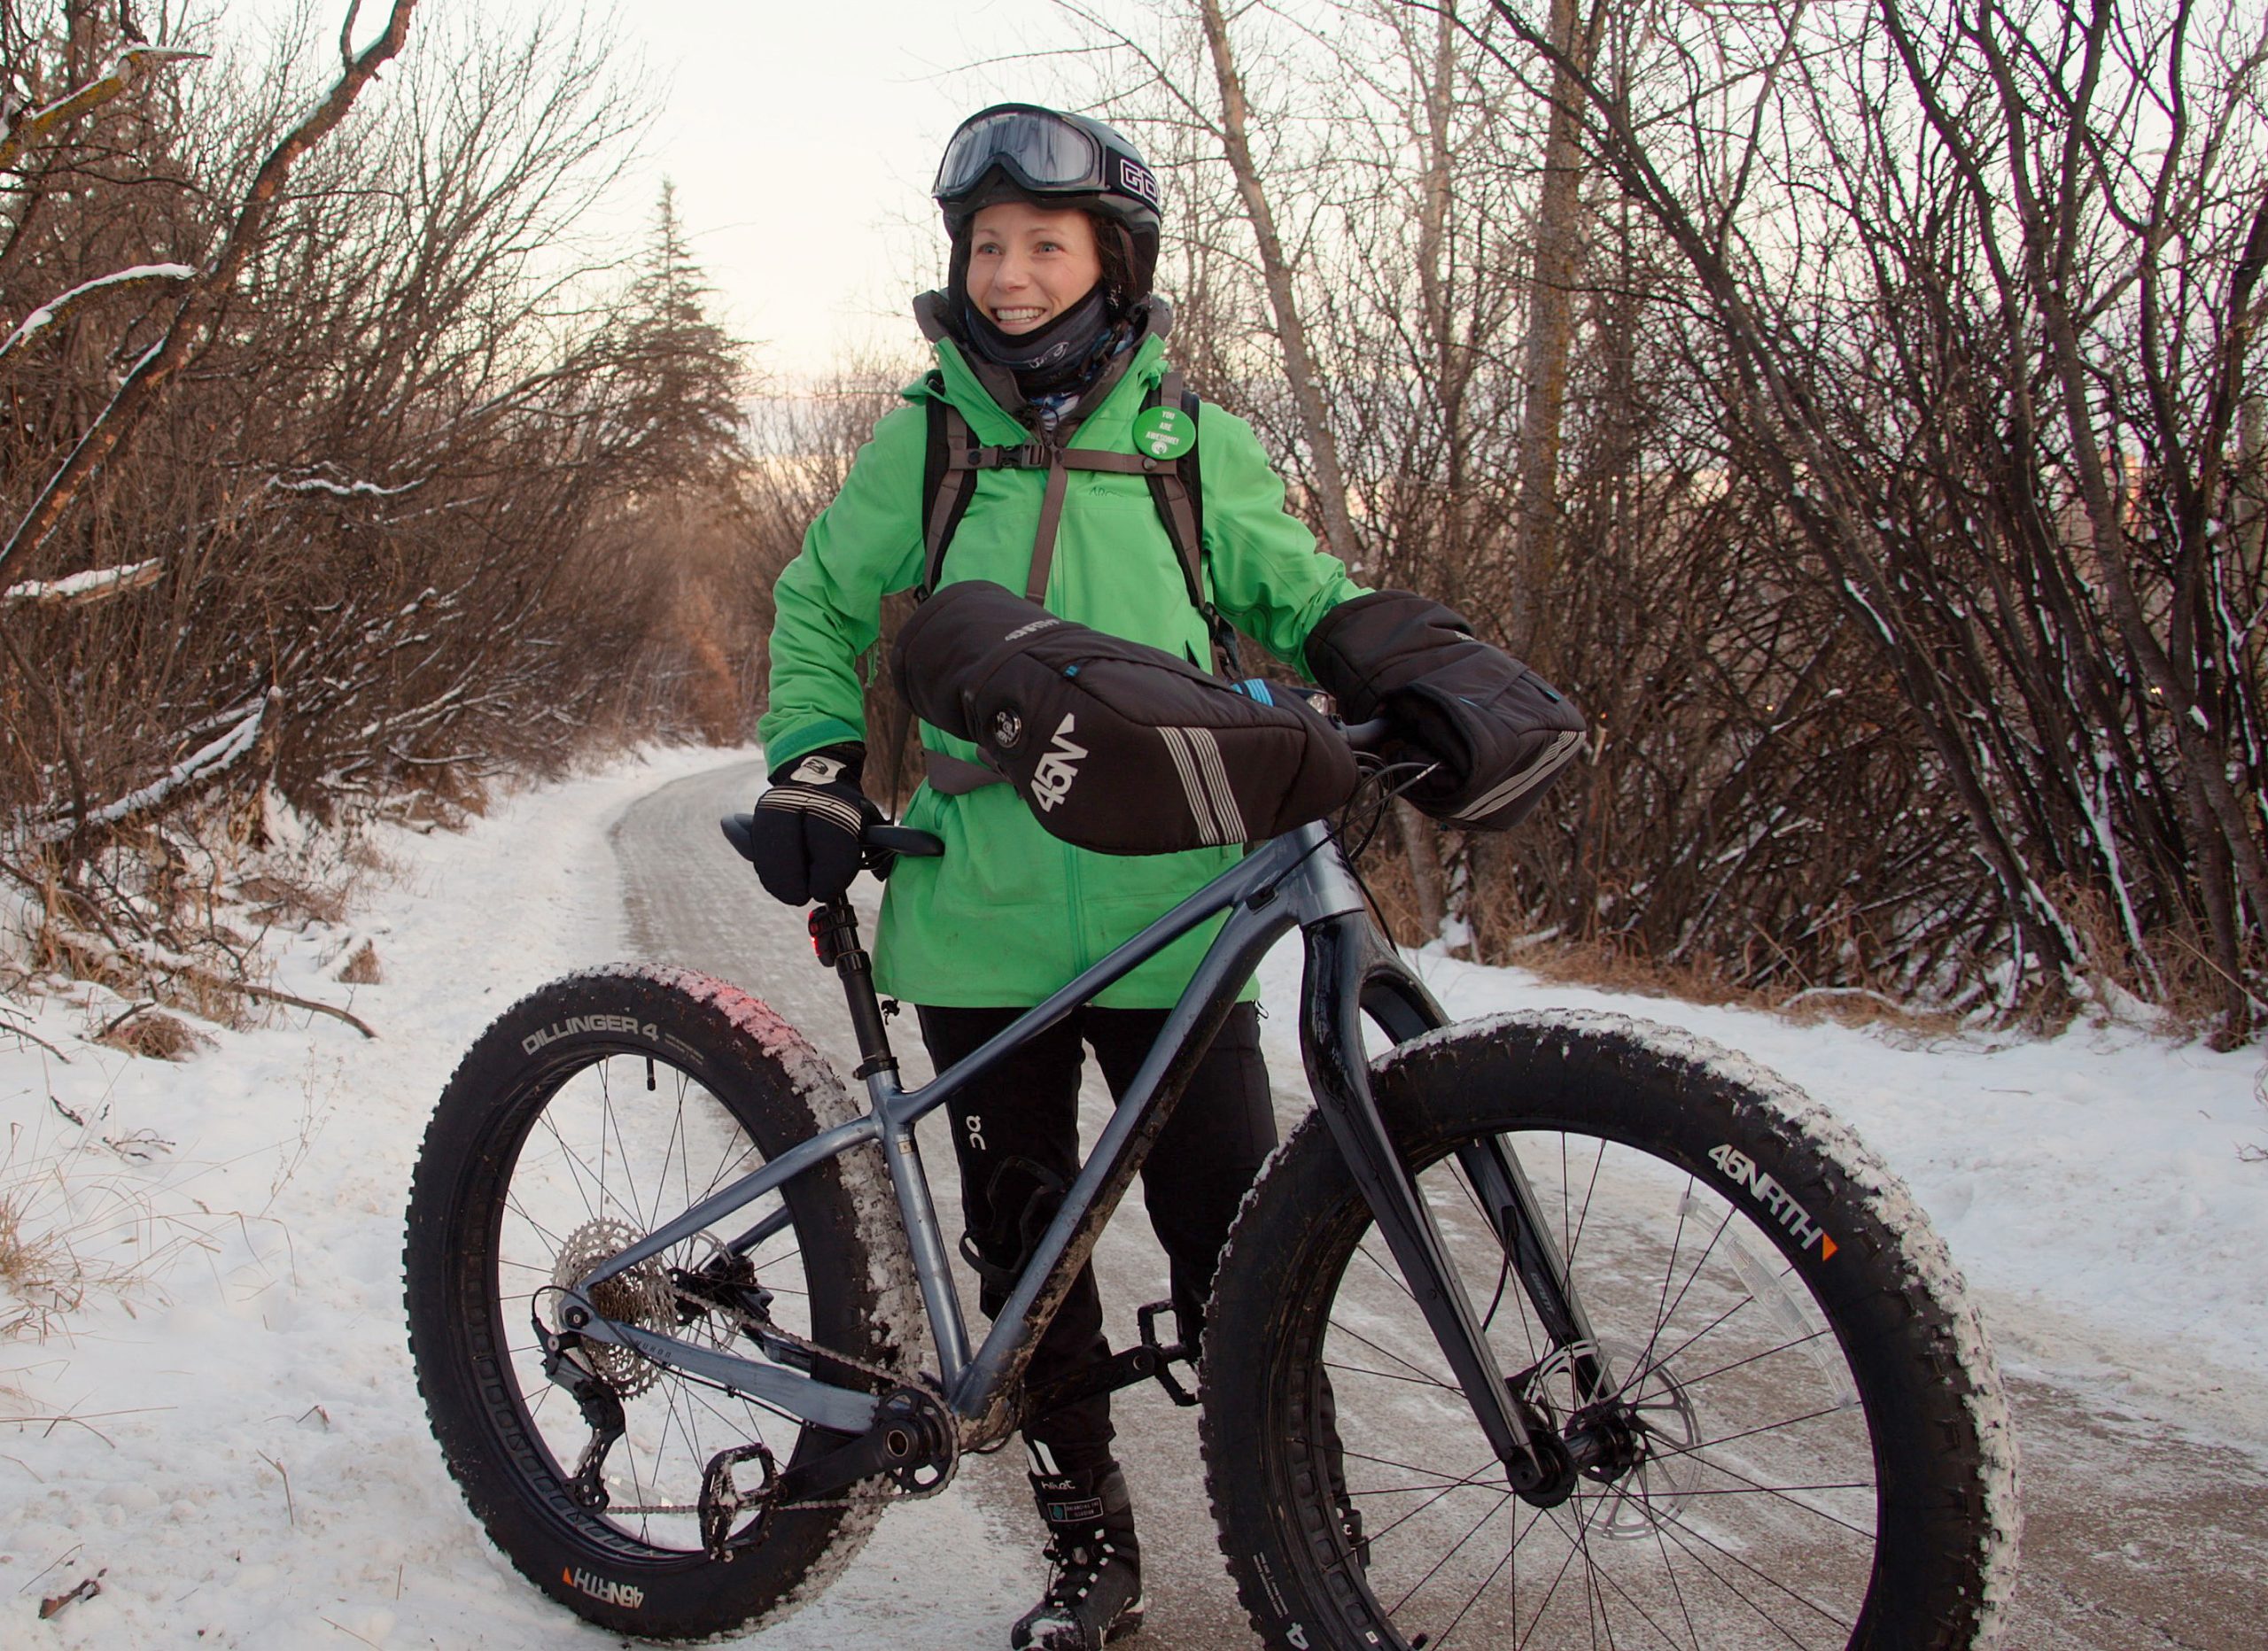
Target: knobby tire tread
780, 1091
1897, 1301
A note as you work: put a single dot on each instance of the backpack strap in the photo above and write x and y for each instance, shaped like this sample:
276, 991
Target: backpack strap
1176, 488
949, 483
949, 470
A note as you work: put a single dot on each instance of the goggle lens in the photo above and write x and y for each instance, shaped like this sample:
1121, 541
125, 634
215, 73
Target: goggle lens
1046, 151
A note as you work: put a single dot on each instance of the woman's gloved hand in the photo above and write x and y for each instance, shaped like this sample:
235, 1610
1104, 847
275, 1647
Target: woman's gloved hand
804, 830
1496, 734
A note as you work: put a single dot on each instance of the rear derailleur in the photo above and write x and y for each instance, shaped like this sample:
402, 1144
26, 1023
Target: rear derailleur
566, 1364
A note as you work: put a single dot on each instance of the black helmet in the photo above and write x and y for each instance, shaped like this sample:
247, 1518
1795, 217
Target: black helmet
1022, 152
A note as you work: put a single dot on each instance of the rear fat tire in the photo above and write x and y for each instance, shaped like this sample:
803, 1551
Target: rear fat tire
1929, 1429
655, 1047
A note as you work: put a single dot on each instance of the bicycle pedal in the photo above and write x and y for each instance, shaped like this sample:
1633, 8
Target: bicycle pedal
721, 1500
1167, 1353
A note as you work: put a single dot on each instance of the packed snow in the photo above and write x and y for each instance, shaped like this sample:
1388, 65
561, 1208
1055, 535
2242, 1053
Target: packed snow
223, 1434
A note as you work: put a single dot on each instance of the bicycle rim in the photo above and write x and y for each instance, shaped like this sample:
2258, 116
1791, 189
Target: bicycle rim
621, 1145
1743, 1507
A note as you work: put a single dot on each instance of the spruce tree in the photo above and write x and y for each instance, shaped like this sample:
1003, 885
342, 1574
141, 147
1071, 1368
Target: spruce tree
684, 371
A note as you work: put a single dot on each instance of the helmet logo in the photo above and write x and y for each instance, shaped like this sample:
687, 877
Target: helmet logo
1138, 180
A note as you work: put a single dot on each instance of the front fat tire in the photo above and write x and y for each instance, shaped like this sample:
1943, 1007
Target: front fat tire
1680, 1135
698, 1078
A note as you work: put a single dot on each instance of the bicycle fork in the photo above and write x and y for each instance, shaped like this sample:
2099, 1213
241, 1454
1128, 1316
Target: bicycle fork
1347, 973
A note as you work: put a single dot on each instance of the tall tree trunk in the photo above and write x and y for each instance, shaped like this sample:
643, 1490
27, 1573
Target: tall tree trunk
1438, 903
1558, 239
1291, 331
1307, 392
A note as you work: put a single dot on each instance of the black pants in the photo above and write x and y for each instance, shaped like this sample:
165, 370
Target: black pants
1017, 1137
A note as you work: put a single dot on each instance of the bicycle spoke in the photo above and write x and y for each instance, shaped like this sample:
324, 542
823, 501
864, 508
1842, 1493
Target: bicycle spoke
1691, 1330
1673, 1529
1392, 1275
1425, 1376
1677, 1592
1466, 1610
1605, 1580
1435, 1569
1385, 1375
1574, 1242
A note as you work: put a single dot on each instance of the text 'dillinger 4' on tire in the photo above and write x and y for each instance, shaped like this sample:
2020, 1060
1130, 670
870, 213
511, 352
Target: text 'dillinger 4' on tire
1792, 1428
592, 1112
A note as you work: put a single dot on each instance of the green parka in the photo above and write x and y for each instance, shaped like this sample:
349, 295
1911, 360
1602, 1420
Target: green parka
1009, 913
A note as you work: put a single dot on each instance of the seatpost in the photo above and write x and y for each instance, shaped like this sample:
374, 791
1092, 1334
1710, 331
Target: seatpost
834, 937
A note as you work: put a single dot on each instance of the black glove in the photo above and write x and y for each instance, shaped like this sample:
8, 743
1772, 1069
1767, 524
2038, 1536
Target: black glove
1496, 733
804, 834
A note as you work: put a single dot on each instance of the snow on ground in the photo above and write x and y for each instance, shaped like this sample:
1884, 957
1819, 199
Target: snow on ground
230, 1436
2095, 1187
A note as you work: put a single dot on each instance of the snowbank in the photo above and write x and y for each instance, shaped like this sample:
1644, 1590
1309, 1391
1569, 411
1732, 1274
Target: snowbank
233, 1440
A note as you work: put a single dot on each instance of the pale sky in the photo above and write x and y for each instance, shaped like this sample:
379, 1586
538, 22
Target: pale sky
802, 138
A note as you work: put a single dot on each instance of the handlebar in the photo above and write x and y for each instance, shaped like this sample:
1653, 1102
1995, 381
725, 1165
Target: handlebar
920, 845
1367, 736
881, 837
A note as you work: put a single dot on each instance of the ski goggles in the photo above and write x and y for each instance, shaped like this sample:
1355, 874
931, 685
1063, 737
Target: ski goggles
1042, 152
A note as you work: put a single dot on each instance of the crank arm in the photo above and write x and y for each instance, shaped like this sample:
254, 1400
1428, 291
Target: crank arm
913, 1434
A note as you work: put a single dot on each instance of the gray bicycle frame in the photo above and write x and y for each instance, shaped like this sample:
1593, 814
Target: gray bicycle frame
1299, 878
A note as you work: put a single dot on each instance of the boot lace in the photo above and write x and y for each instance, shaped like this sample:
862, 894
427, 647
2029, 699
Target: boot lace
1075, 1565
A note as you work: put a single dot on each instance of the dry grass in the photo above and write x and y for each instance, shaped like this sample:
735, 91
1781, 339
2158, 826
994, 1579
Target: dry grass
277, 898
1609, 967
153, 1034
87, 1215
55, 950
449, 796
1608, 964
39, 1276
362, 967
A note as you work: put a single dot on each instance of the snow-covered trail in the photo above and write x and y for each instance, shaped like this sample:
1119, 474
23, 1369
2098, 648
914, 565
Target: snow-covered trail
236, 1446
2099, 1246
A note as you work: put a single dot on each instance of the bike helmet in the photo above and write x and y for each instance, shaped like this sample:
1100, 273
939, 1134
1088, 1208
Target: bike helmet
1022, 152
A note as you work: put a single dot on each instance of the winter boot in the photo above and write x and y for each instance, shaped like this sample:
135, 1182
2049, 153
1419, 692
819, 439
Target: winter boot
1094, 1585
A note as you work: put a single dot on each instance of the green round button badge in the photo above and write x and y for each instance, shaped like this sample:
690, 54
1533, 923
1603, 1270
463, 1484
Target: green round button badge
1164, 433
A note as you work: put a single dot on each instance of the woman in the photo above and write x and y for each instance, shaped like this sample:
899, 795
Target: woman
1050, 342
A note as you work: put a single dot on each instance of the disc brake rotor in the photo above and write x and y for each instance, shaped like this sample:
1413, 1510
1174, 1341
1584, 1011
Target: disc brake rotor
640, 1296
1636, 1498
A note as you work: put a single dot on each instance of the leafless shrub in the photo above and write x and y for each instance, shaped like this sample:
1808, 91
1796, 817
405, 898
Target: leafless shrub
1857, 410
277, 897
386, 529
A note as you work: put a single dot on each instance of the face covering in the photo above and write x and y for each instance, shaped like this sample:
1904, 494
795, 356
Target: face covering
1059, 356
